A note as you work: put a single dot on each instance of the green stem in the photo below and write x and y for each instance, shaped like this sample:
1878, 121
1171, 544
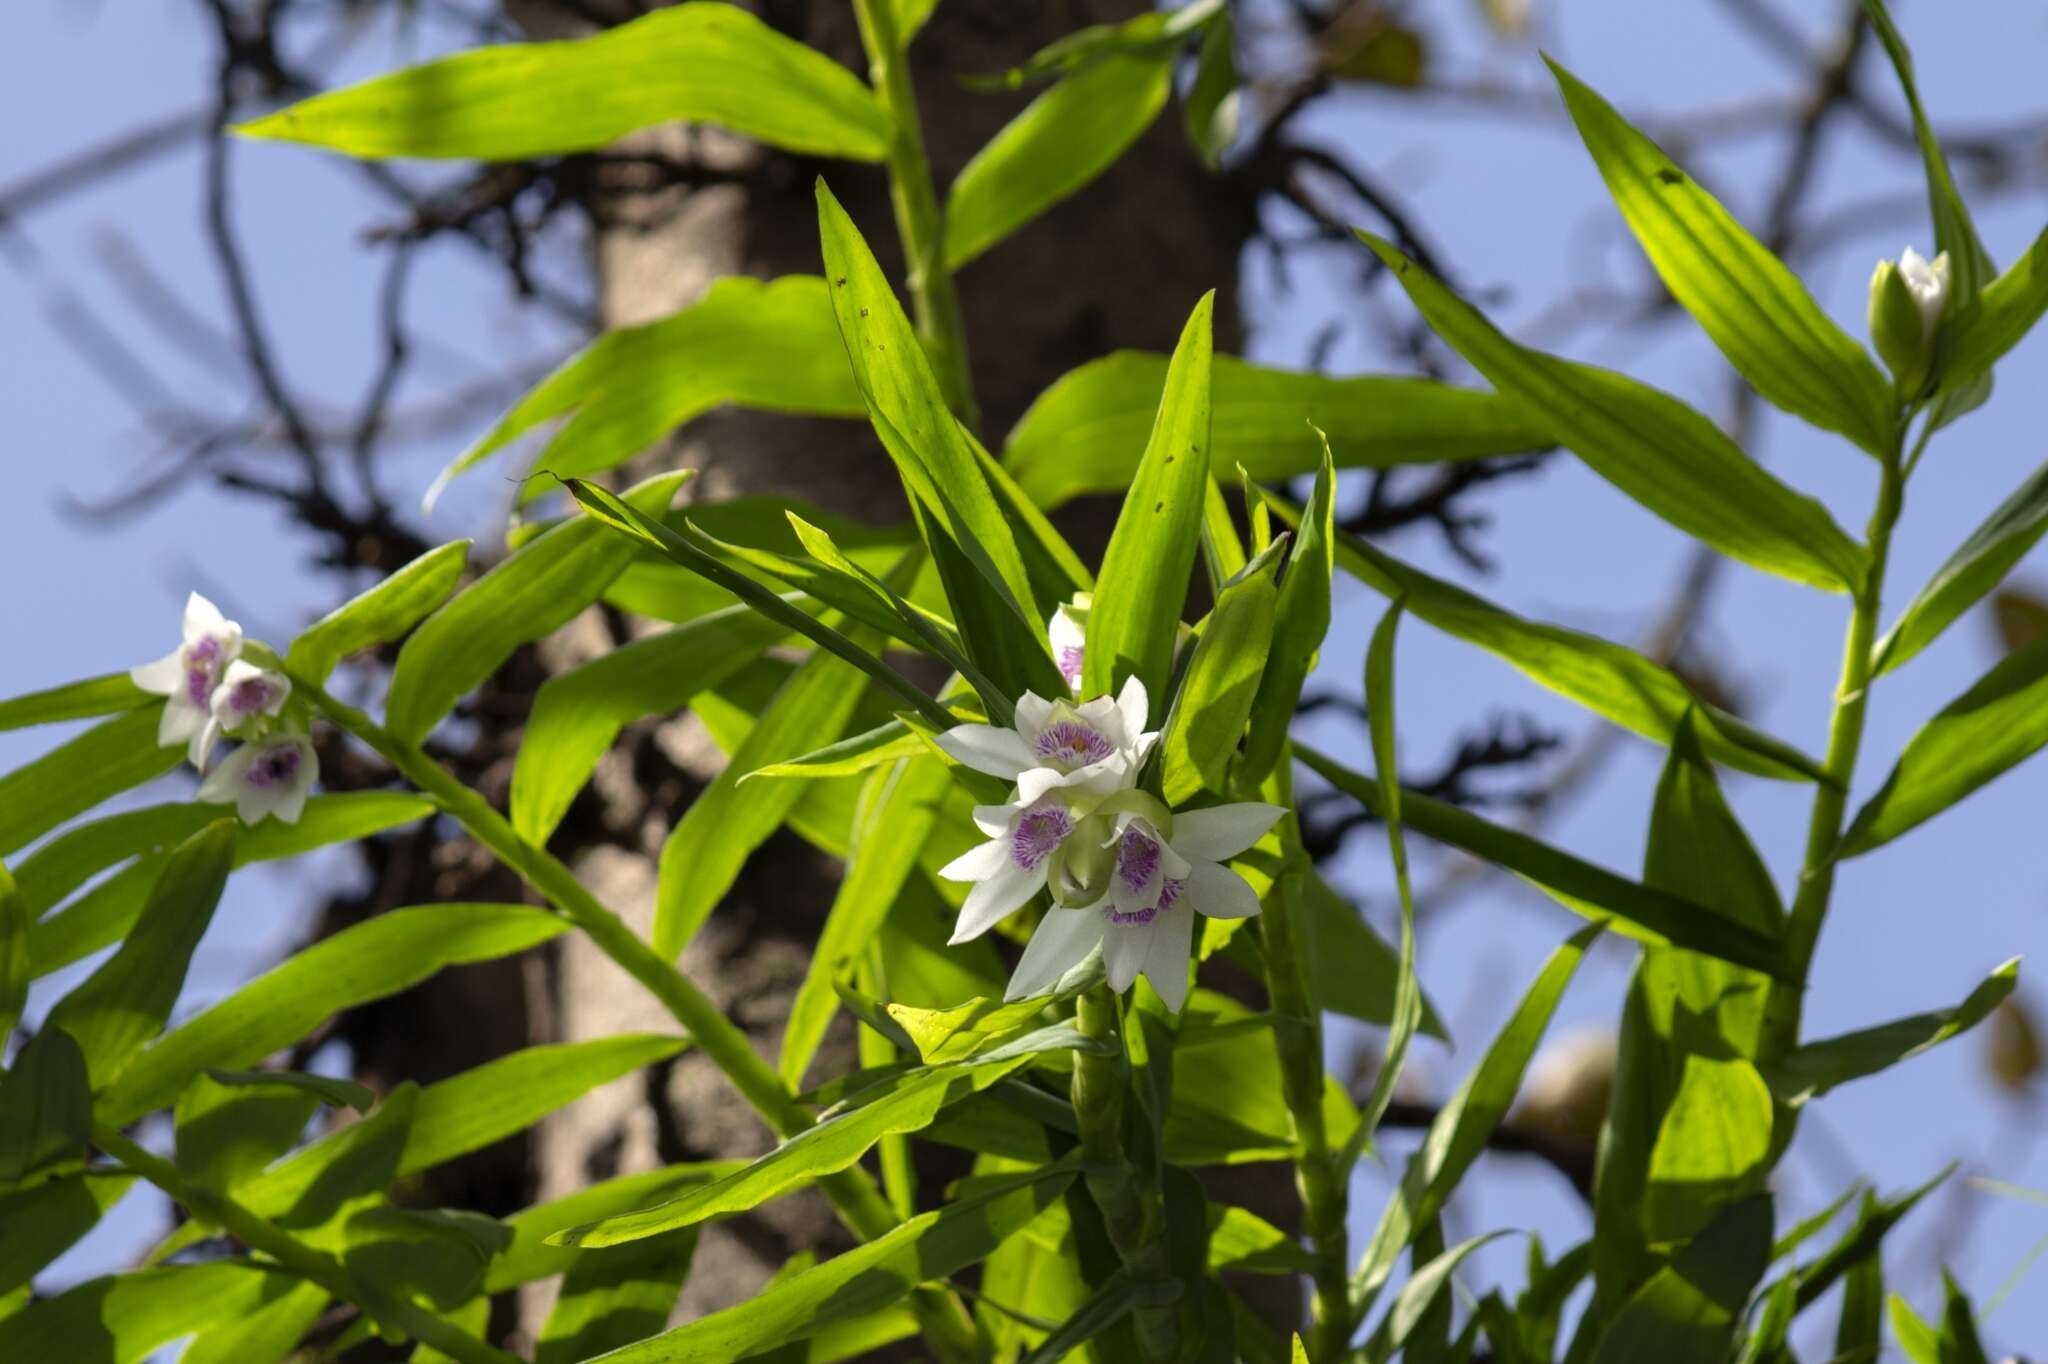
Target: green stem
261, 1235
1132, 1221
1845, 739
934, 304
860, 1204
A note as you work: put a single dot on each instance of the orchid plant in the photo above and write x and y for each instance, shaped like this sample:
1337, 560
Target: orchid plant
1031, 845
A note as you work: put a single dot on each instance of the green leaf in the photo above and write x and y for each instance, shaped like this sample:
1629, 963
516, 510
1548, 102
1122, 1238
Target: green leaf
1211, 107
1628, 906
531, 1255
615, 1297
899, 807
1859, 1331
856, 753
104, 913
379, 615
903, 1104
1302, 619
1228, 1104
700, 62
1350, 969
1714, 1144
768, 345
577, 714
107, 695
266, 1336
711, 843
227, 1133
1116, 1299
47, 1219
1809, 1071
1633, 691
1221, 681
1059, 143
680, 548
435, 1254
537, 589
126, 1001
125, 1318
1874, 1221
1425, 1289
1145, 570
80, 773
1084, 434
45, 1106
367, 961
1997, 724
1975, 336
16, 966
1689, 1312
1662, 453
1921, 1343
1466, 1121
927, 1248
1977, 566
1741, 294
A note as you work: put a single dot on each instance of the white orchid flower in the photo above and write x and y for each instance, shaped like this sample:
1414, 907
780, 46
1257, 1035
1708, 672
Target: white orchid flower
1090, 749
268, 776
1144, 919
1927, 281
1066, 630
247, 696
186, 677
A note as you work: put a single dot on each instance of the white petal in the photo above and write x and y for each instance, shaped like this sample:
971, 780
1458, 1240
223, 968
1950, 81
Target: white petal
165, 677
1134, 706
291, 803
1036, 782
1062, 942
181, 720
1166, 956
203, 619
998, 752
1033, 711
979, 862
1103, 778
202, 744
1223, 831
996, 898
224, 783
995, 820
1219, 892
1124, 950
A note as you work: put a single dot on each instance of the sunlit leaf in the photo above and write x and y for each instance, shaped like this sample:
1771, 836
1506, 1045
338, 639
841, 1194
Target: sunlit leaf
1979, 564
379, 615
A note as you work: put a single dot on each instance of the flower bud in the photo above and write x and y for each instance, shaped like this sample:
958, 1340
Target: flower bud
1906, 302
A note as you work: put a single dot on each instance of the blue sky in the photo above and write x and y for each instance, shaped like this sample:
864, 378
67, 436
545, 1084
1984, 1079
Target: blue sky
1517, 208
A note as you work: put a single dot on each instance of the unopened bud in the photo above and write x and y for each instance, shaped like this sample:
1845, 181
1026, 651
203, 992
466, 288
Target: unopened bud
1907, 297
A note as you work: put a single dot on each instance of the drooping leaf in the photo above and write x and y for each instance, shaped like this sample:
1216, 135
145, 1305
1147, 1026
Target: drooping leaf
1662, 453
1979, 564
539, 588
370, 960
577, 714
1061, 141
702, 62
929, 1247
1628, 906
47, 1109
45, 1220
1755, 309
80, 773
1811, 1070
1466, 1120
1085, 434
1997, 724
1633, 691
770, 345
1145, 570
107, 695
126, 1001
379, 615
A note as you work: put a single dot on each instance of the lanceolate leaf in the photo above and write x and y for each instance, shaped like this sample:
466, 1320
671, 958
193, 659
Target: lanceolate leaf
1145, 571
370, 960
769, 345
1809, 1071
1977, 336
44, 1220
702, 62
927, 1248
1977, 566
1756, 310
1988, 730
122, 1004
1629, 906
1689, 1312
80, 700
540, 587
1653, 447
577, 714
1061, 141
1085, 433
1221, 682
1301, 619
379, 615
611, 1300
47, 1112
80, 773
126, 1318
1606, 678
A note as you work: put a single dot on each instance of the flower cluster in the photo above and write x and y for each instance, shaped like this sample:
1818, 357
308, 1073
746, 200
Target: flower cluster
1124, 872
210, 691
